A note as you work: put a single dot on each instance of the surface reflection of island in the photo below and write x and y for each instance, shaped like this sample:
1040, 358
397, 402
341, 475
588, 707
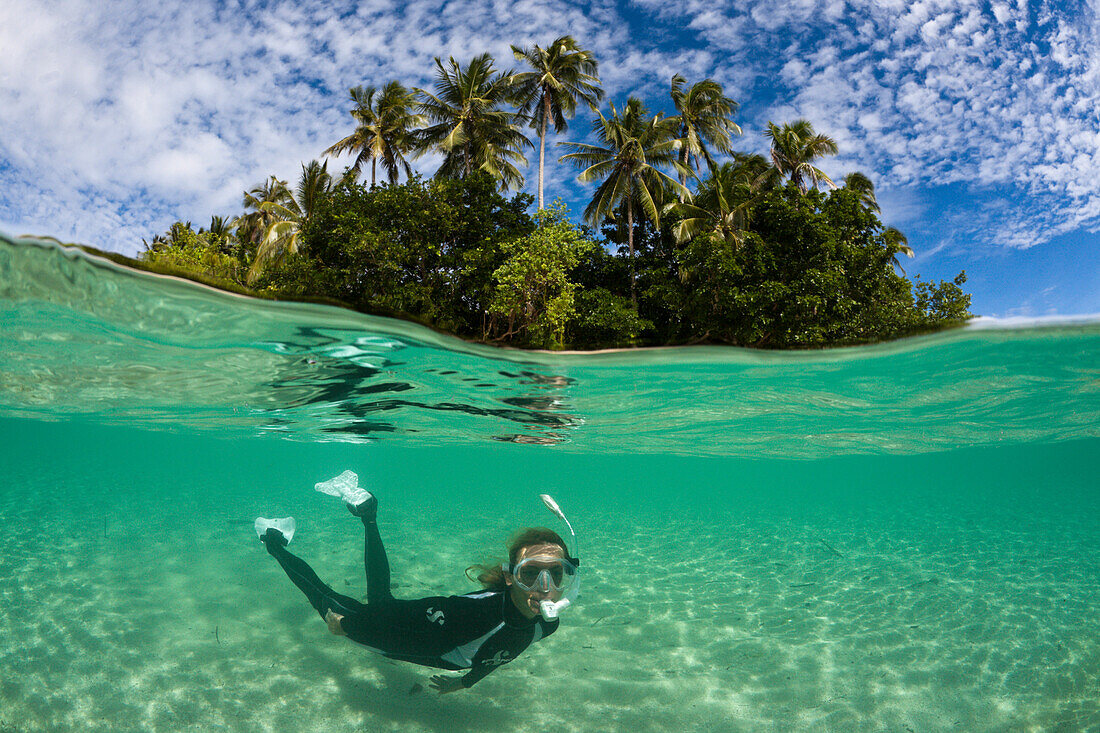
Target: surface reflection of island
548, 439
343, 388
540, 402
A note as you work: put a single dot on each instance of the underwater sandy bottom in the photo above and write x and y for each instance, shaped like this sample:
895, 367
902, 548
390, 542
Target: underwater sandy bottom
158, 614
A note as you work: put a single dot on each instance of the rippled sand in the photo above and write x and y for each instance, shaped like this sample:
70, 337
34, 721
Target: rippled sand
180, 621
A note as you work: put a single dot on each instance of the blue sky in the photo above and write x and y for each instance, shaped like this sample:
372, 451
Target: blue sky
978, 121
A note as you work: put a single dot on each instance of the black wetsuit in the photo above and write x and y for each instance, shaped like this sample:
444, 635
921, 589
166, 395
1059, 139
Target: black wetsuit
478, 631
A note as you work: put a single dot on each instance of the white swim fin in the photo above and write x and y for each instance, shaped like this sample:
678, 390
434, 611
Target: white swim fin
285, 525
346, 486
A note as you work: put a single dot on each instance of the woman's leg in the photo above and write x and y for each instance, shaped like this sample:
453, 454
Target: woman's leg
320, 596
375, 562
405, 628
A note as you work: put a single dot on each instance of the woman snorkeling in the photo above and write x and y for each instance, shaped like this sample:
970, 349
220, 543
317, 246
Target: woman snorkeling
476, 631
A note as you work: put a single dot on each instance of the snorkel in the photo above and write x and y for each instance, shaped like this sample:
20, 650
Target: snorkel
551, 609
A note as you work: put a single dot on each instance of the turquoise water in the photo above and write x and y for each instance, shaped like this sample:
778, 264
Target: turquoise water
901, 537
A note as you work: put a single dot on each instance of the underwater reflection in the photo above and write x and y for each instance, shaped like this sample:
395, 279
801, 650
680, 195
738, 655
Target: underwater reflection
348, 381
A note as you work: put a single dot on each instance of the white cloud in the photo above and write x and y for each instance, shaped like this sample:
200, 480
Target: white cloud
976, 102
166, 111
119, 118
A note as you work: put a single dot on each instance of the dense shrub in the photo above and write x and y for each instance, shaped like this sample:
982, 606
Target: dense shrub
809, 270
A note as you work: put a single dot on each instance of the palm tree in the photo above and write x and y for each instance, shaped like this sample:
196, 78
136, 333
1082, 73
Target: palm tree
704, 114
220, 227
221, 234
896, 243
285, 213
863, 187
757, 170
467, 124
795, 147
720, 207
633, 144
361, 139
563, 74
179, 234
252, 225
385, 130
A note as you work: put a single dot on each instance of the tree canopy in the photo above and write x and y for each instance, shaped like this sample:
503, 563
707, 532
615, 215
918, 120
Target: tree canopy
746, 249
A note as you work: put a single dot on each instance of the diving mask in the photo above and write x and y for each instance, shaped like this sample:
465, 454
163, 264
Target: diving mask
544, 573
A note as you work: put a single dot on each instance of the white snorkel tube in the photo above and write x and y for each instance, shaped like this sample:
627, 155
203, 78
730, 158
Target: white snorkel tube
551, 609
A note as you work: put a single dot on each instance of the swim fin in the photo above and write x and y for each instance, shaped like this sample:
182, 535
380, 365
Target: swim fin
346, 486
285, 525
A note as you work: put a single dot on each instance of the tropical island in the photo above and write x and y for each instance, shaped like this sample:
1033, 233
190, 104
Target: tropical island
685, 239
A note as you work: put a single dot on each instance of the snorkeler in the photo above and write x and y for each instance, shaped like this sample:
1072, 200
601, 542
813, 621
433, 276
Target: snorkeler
478, 631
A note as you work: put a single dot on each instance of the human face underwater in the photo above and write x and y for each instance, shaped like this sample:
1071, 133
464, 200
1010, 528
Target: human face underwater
540, 573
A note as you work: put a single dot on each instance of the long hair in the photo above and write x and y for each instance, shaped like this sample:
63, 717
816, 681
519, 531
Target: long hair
491, 575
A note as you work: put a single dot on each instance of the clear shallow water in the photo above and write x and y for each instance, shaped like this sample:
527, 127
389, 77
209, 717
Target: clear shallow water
869, 539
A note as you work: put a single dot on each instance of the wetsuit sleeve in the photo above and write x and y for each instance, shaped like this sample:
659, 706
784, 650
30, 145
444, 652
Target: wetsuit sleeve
493, 655
477, 673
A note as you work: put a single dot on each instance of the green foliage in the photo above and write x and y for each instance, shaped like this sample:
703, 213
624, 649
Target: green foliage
814, 271
422, 248
203, 253
711, 279
811, 270
942, 304
604, 320
285, 214
755, 256
807, 270
533, 292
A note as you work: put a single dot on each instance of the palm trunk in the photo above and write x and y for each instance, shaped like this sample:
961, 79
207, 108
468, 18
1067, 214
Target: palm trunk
683, 176
542, 143
630, 246
373, 171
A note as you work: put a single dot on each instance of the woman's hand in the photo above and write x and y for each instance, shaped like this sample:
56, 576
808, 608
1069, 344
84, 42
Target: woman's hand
443, 684
333, 620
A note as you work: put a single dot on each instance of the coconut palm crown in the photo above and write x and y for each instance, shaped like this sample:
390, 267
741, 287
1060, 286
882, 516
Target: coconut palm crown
864, 188
251, 225
897, 244
562, 74
704, 115
633, 144
795, 147
285, 213
467, 124
720, 206
385, 130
